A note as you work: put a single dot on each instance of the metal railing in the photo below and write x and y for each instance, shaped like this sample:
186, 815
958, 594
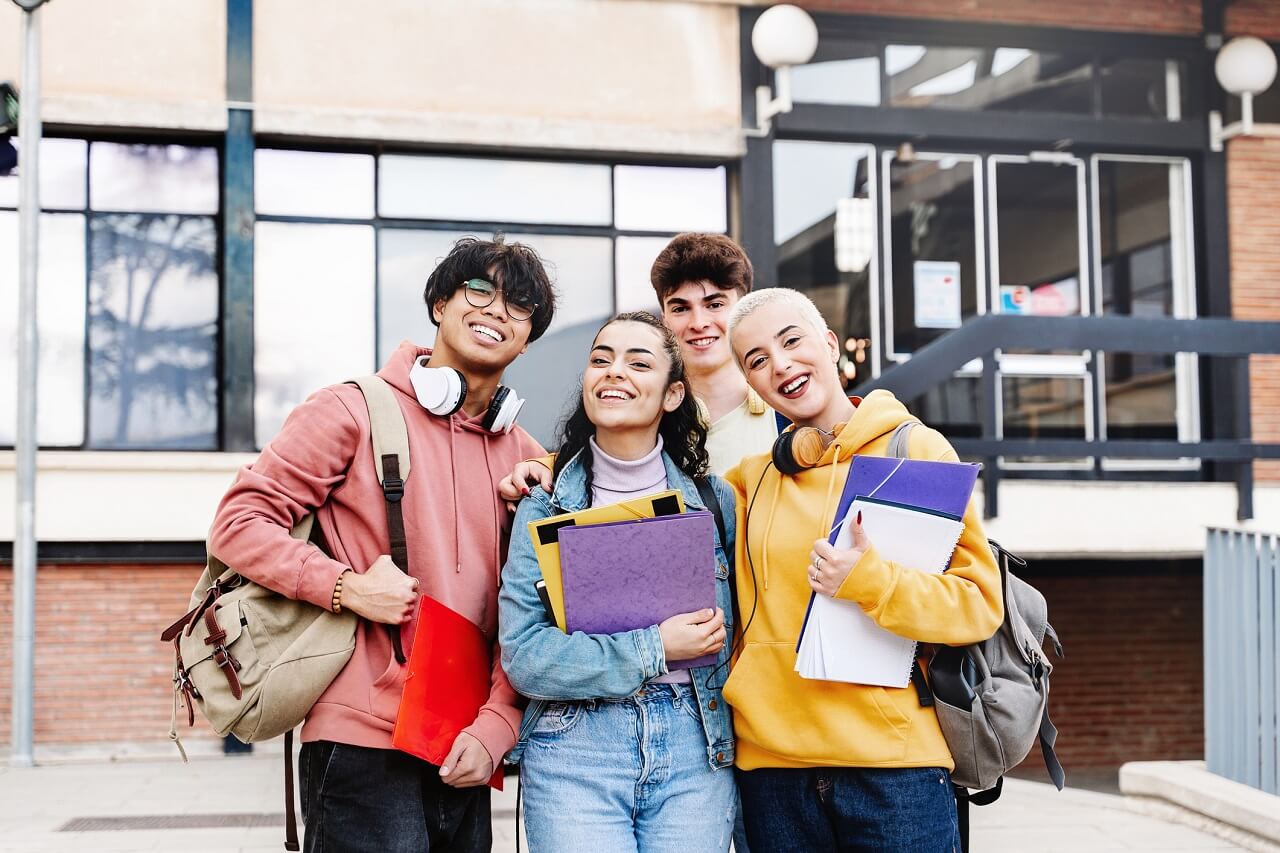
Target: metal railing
1242, 657
983, 337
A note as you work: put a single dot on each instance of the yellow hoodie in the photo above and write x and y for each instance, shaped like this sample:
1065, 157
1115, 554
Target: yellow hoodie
783, 720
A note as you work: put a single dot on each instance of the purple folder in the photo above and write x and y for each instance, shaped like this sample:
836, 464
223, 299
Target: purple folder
943, 487
633, 574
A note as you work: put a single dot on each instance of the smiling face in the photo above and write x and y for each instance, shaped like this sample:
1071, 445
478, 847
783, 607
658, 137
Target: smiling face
790, 364
626, 386
485, 339
697, 313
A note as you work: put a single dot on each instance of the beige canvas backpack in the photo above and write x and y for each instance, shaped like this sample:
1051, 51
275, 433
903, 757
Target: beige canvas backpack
254, 661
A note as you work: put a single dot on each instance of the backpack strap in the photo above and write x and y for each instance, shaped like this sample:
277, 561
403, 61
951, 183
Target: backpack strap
391, 459
709, 498
290, 818
899, 442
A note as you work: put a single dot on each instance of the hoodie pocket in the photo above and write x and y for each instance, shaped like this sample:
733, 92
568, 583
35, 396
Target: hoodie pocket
384, 693
818, 722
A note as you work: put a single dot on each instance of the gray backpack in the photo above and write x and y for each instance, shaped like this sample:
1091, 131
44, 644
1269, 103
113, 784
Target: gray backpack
992, 697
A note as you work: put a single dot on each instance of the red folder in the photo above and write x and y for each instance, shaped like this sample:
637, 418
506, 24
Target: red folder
447, 683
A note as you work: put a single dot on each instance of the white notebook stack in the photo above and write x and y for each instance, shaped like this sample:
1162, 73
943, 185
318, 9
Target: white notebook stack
839, 642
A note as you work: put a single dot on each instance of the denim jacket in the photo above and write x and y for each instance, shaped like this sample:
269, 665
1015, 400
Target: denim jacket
548, 665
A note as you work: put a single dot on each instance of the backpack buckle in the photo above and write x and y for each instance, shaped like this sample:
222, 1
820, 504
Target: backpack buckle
393, 489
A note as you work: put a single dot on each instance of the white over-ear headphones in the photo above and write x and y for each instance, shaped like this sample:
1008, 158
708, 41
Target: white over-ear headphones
443, 390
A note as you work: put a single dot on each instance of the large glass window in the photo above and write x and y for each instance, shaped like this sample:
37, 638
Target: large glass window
1038, 260
153, 328
60, 322
1052, 79
825, 232
312, 313
841, 72
933, 236
473, 189
1145, 270
596, 226
1001, 78
128, 267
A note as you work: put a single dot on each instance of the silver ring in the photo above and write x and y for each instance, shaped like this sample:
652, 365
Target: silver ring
817, 564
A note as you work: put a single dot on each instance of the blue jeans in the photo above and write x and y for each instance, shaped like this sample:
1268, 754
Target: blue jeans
385, 801
907, 810
625, 776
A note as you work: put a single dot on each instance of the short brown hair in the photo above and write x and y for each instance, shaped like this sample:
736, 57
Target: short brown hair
701, 257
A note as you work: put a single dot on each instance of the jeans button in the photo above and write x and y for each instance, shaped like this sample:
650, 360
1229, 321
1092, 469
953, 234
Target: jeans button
713, 704
719, 756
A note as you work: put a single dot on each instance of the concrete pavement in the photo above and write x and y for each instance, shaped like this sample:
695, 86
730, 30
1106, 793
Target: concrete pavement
234, 804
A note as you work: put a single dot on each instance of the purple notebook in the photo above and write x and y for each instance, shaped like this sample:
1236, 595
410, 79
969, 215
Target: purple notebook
633, 574
943, 487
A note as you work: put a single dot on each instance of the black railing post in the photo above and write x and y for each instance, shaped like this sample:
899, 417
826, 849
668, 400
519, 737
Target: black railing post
1244, 433
990, 413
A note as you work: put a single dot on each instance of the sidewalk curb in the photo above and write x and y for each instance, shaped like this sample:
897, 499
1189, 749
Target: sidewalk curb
1184, 791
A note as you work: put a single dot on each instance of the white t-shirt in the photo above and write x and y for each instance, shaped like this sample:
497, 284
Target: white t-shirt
740, 433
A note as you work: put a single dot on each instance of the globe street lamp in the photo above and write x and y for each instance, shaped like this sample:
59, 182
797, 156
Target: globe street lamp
1246, 66
782, 37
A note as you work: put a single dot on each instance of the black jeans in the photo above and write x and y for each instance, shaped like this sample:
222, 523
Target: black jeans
848, 809
385, 801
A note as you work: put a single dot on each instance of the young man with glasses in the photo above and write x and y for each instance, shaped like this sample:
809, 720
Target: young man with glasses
490, 300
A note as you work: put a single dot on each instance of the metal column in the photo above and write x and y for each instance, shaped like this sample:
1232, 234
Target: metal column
24, 540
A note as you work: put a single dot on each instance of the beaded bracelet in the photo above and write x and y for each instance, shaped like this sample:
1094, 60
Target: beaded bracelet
337, 594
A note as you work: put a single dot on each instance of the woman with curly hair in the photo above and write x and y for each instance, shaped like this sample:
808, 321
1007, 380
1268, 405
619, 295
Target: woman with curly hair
641, 754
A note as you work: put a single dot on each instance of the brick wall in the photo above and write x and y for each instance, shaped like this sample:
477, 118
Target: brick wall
1180, 17
1259, 18
1130, 686
1253, 185
102, 674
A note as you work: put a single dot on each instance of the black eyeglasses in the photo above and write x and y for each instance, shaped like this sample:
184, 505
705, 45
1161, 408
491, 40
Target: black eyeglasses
481, 293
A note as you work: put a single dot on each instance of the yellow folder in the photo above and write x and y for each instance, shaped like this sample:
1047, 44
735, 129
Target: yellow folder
546, 535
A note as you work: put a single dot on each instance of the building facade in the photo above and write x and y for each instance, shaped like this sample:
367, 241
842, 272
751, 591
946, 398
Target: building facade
243, 200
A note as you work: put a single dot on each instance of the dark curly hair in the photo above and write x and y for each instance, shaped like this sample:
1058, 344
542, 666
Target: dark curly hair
684, 436
514, 267
701, 257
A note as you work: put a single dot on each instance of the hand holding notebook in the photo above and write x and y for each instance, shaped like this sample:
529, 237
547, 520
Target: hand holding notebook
839, 641
633, 574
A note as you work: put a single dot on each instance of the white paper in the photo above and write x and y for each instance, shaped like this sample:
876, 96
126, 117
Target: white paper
840, 641
937, 294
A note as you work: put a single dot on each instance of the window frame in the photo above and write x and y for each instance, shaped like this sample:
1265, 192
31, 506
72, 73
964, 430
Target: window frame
192, 139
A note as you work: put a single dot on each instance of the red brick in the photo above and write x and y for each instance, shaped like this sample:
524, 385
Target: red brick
1147, 16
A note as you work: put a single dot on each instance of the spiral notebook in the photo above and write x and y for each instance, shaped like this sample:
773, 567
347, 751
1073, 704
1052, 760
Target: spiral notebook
840, 642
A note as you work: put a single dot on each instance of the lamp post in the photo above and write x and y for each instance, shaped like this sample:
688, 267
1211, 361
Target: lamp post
1246, 66
24, 540
782, 37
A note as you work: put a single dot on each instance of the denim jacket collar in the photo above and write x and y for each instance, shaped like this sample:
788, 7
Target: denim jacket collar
569, 493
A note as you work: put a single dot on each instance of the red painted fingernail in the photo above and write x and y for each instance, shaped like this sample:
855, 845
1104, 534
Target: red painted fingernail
525, 489
859, 520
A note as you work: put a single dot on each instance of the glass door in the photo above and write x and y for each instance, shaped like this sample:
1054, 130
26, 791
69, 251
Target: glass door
1144, 267
1040, 267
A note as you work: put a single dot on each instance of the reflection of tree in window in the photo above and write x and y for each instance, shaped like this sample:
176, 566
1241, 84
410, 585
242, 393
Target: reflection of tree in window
153, 309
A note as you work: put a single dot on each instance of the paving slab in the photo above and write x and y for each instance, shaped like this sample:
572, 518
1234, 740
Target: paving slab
37, 803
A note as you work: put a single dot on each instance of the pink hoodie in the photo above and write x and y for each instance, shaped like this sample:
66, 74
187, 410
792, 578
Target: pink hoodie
455, 526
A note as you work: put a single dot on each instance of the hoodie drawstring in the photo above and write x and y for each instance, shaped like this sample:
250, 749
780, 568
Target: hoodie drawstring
823, 528
498, 510
457, 513
768, 528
